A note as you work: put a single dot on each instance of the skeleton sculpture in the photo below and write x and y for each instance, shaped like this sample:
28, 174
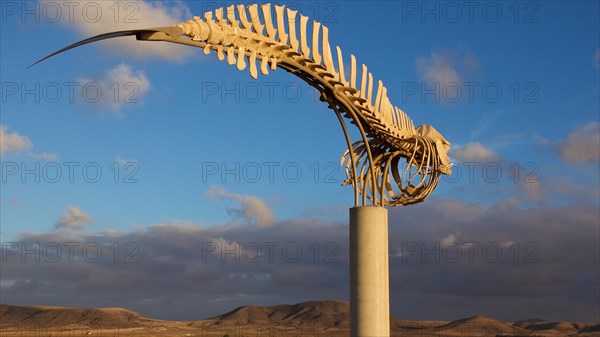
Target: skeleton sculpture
387, 134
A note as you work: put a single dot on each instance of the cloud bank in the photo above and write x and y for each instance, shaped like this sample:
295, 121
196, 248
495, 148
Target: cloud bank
448, 259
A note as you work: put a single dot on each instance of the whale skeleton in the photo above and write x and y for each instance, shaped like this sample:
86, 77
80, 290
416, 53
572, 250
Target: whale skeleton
390, 146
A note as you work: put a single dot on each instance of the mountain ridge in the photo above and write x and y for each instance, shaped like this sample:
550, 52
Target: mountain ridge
331, 315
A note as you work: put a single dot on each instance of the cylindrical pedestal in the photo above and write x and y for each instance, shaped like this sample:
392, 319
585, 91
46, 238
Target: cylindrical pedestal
369, 275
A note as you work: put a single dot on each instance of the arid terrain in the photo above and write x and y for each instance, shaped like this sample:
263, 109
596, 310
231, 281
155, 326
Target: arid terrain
315, 318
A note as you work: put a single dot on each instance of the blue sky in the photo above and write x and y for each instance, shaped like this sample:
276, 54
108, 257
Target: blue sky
528, 102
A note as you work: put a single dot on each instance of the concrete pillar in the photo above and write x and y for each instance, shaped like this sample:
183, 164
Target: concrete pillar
369, 272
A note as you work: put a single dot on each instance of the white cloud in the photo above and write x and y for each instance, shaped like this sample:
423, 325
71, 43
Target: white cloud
532, 189
116, 88
441, 69
471, 62
122, 161
582, 145
473, 152
73, 218
508, 244
92, 18
450, 239
437, 69
596, 58
12, 142
44, 156
252, 210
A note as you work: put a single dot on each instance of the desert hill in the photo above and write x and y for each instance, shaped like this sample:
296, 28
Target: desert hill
331, 313
54, 317
566, 328
330, 316
481, 325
